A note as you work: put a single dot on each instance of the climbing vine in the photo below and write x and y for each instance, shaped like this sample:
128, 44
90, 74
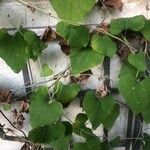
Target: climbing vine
87, 47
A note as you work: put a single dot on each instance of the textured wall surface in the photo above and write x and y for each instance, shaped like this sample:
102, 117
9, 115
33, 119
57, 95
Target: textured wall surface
13, 14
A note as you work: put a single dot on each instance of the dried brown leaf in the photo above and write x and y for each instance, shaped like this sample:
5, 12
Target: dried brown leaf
102, 91
135, 40
24, 107
64, 47
104, 26
83, 78
18, 119
26, 146
147, 7
49, 35
5, 95
36, 147
114, 3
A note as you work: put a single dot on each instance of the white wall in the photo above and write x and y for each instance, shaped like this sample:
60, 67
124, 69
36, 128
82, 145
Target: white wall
37, 21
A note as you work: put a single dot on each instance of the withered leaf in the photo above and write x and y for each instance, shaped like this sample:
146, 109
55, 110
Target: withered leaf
26, 146
64, 47
5, 95
18, 119
24, 107
36, 147
105, 26
84, 76
49, 35
102, 90
114, 3
147, 7
135, 40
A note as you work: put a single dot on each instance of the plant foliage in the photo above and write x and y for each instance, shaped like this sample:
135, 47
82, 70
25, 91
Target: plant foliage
86, 51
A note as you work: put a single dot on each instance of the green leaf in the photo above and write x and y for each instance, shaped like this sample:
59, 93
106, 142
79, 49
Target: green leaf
90, 144
138, 61
68, 126
100, 44
115, 142
92, 108
99, 110
72, 10
81, 119
136, 93
80, 128
146, 140
146, 114
83, 131
34, 45
135, 23
46, 71
61, 144
41, 112
109, 121
66, 93
47, 134
127, 69
12, 50
146, 30
84, 59
18, 48
76, 36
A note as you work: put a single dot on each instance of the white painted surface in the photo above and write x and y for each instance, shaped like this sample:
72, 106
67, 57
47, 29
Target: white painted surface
20, 15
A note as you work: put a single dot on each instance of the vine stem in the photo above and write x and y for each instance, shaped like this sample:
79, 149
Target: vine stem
137, 74
117, 38
46, 13
33, 6
15, 138
55, 77
12, 123
24, 140
132, 49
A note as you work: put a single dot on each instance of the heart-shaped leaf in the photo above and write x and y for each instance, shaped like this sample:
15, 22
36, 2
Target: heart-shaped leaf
34, 44
76, 36
98, 110
72, 10
100, 44
146, 30
46, 71
110, 119
47, 134
90, 144
146, 114
79, 126
42, 113
66, 93
81, 119
136, 93
146, 142
137, 60
84, 59
12, 50
17, 49
134, 23
127, 69
60, 144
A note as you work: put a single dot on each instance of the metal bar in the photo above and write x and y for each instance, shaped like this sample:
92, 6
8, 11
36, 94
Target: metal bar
136, 144
129, 130
106, 66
